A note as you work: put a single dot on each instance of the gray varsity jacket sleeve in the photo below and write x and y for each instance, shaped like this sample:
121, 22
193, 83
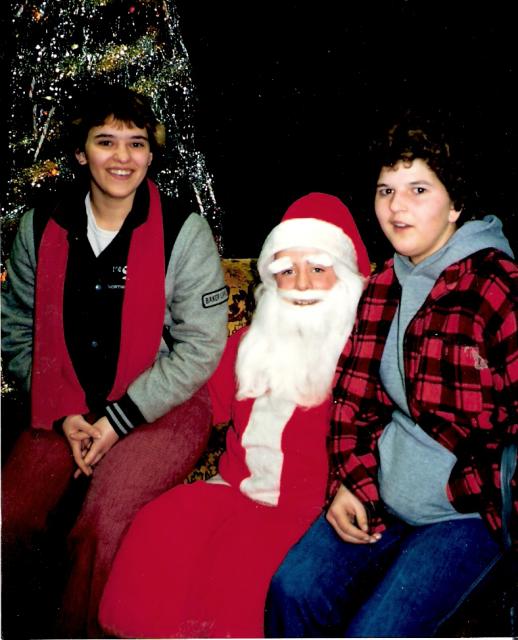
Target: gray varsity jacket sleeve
196, 320
18, 302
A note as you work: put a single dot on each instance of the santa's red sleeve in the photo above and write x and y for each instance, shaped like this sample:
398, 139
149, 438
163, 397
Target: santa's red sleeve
222, 384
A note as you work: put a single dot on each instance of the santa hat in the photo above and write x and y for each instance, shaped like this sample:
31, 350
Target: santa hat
317, 221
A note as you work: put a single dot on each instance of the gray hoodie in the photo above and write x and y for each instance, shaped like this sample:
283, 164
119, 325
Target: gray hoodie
414, 468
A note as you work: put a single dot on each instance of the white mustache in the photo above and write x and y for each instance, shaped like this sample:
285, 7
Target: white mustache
308, 294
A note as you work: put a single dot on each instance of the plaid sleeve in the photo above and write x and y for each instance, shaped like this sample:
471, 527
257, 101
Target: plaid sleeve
501, 296
504, 347
475, 485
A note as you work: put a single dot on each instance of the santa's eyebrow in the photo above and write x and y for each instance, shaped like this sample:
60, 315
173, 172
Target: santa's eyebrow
321, 259
281, 264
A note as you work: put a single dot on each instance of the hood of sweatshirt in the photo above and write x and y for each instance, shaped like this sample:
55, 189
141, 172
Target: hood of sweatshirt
473, 236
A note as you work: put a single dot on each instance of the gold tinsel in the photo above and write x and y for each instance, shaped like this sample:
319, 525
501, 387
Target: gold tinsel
122, 55
38, 173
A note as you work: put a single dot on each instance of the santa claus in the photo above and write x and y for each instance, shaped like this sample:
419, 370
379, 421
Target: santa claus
197, 561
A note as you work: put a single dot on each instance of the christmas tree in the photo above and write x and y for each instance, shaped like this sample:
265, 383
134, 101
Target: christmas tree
61, 47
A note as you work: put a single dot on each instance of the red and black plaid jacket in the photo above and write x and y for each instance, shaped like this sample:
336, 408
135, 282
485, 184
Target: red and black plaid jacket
461, 377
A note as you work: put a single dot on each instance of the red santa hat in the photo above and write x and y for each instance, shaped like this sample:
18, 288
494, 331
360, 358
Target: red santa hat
317, 221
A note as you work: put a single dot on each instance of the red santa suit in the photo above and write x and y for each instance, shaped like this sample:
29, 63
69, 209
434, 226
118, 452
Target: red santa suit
197, 561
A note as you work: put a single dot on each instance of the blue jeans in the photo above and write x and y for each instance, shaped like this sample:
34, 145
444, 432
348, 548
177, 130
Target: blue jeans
404, 585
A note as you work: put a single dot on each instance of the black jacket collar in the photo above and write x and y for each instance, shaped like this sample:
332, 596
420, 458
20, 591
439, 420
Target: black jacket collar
69, 210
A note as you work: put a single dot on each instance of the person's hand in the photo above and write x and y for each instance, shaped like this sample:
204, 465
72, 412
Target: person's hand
80, 435
348, 517
99, 446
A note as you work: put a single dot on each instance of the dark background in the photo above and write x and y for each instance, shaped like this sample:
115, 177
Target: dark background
290, 93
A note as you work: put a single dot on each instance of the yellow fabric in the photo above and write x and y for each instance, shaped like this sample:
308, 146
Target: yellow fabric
241, 278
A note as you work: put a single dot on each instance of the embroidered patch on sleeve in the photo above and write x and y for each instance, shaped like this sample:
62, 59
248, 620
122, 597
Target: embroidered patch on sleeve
214, 298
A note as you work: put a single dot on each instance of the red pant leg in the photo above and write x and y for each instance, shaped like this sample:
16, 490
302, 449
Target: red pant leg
137, 469
34, 478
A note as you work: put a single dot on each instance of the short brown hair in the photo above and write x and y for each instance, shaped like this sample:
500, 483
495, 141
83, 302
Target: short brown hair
123, 104
417, 136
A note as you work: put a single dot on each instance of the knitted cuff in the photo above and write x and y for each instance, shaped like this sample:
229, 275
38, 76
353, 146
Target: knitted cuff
123, 415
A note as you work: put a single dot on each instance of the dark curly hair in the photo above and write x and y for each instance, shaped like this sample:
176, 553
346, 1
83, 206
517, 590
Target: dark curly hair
432, 140
124, 104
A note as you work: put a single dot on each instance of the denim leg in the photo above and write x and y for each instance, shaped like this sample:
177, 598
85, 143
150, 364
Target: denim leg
436, 569
321, 580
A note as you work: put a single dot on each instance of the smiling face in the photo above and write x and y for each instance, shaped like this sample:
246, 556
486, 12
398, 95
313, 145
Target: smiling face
118, 157
304, 272
414, 209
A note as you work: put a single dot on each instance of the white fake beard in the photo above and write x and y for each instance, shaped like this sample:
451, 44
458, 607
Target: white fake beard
291, 351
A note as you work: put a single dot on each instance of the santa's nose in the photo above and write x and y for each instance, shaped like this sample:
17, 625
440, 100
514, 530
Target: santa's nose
302, 281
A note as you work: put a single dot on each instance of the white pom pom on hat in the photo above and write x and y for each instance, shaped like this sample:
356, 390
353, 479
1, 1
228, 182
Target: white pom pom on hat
317, 221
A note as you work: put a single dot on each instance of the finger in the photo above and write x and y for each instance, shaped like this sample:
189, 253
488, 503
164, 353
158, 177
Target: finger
82, 469
85, 445
78, 473
356, 515
347, 530
90, 430
342, 534
94, 454
361, 520
79, 435
76, 451
97, 458
353, 534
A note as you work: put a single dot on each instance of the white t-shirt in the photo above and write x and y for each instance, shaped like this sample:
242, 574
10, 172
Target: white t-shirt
99, 238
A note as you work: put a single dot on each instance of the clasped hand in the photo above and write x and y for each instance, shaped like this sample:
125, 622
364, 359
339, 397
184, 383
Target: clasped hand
89, 442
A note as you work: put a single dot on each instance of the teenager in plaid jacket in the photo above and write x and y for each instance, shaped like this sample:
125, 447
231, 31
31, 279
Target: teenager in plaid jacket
426, 400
